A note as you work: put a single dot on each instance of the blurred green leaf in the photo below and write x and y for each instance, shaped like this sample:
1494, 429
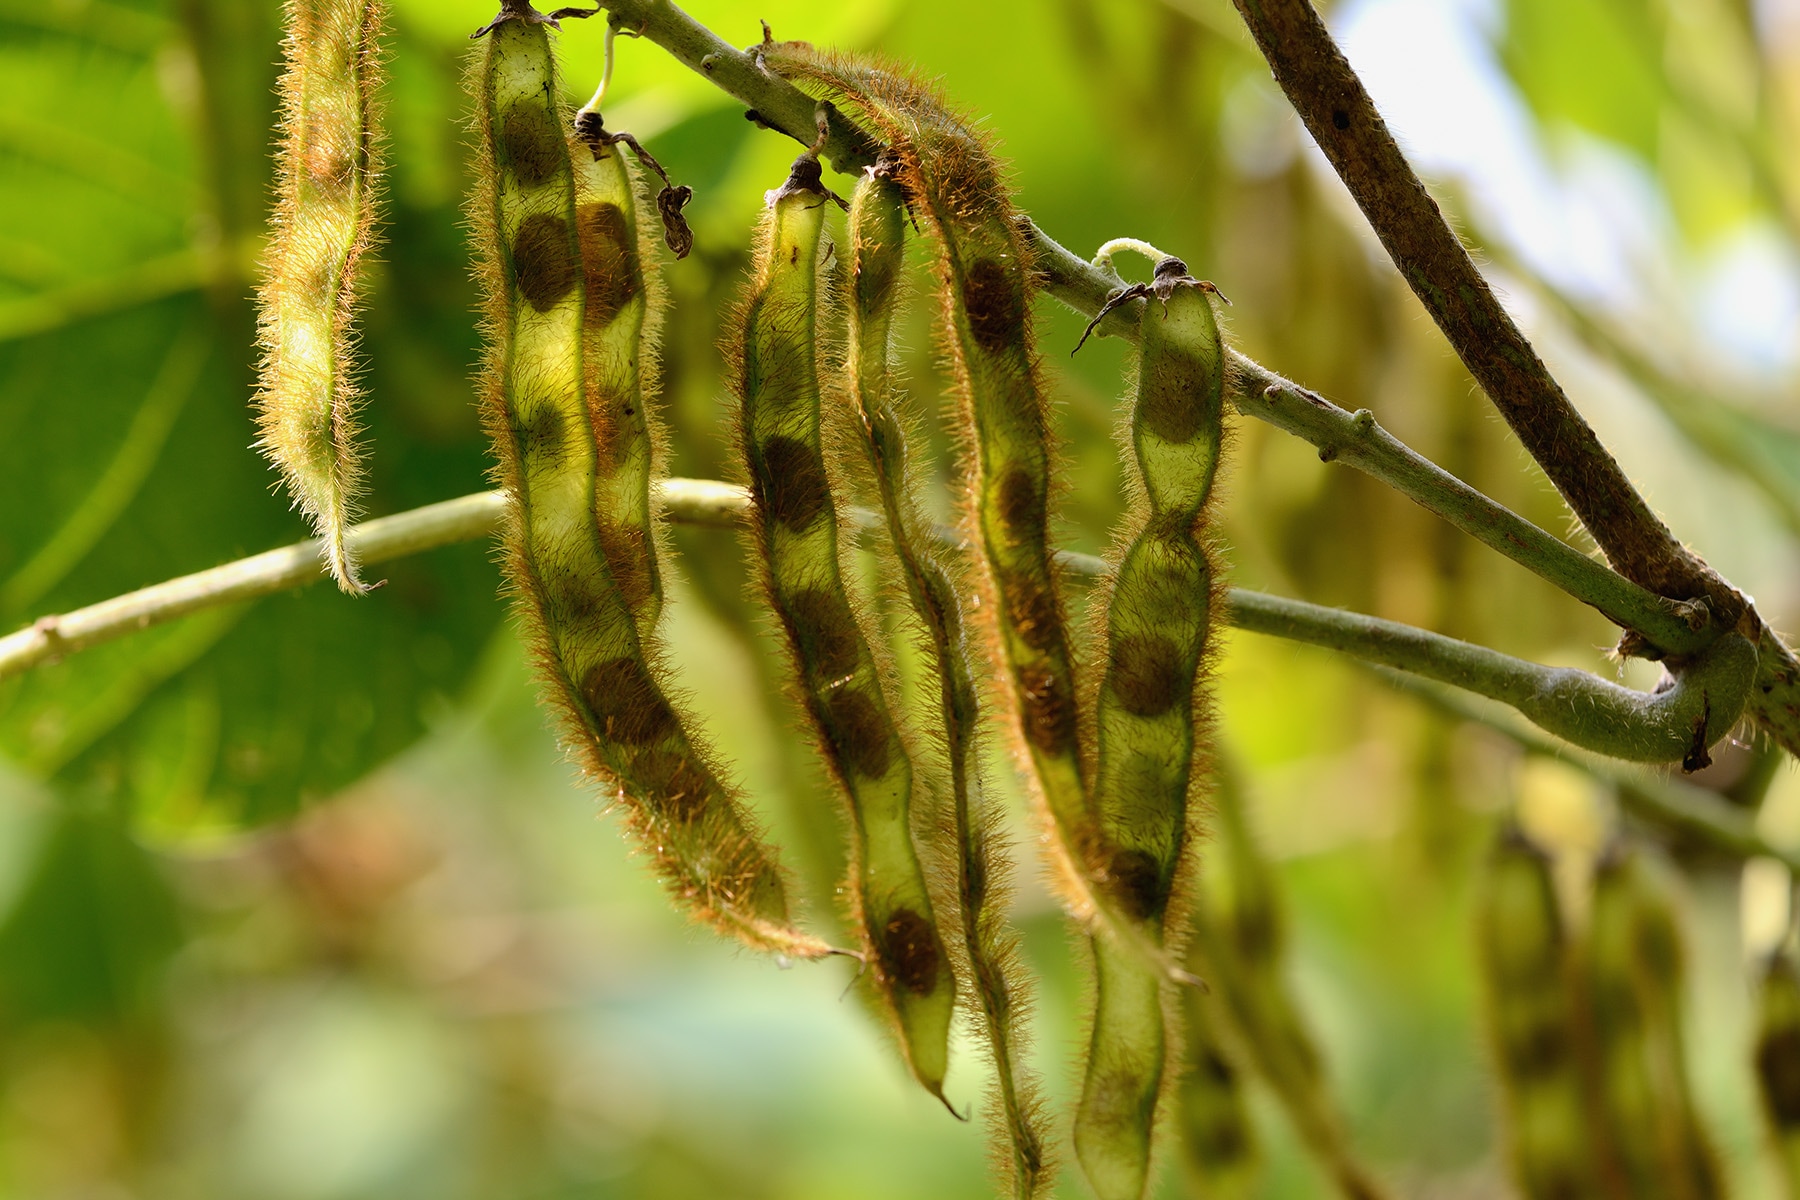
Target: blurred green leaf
91, 930
1591, 63
125, 444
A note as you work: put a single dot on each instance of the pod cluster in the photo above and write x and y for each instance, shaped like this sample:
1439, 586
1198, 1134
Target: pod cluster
1114, 747
1585, 1030
567, 410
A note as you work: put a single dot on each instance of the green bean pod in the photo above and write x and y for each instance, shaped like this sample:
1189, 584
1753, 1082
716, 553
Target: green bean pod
795, 537
1157, 614
1632, 962
623, 320
1523, 950
986, 286
599, 673
1777, 1062
327, 181
877, 238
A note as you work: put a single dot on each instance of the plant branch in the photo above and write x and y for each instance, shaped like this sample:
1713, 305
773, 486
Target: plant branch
1667, 626
1356, 440
1672, 725
1651, 796
1342, 119
1676, 724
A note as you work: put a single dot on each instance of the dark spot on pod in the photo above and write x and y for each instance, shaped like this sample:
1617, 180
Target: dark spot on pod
329, 169
625, 702
1031, 607
609, 255
543, 260
1136, 879
1340, 118
531, 146
1174, 399
573, 599
675, 787
1122, 1095
1253, 931
994, 299
1146, 674
790, 483
858, 731
1022, 509
824, 631
908, 949
1215, 1068
1048, 708
626, 560
541, 436
1541, 1052
1778, 1067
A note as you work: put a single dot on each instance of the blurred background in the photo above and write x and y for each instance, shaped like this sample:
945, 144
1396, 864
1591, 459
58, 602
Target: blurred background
300, 900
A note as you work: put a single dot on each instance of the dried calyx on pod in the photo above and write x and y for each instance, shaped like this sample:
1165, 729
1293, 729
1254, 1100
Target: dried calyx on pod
590, 127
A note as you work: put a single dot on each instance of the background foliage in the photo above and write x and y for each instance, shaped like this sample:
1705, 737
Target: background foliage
298, 899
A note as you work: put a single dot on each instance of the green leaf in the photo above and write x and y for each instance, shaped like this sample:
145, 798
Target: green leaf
126, 438
91, 930
1594, 64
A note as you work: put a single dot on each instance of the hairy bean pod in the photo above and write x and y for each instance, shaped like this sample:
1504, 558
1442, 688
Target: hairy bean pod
327, 178
794, 534
985, 286
623, 318
1151, 710
877, 236
1632, 962
599, 672
1777, 1061
1523, 951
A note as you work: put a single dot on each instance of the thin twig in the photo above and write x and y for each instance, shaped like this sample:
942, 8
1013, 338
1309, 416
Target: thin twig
1589, 711
1356, 440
